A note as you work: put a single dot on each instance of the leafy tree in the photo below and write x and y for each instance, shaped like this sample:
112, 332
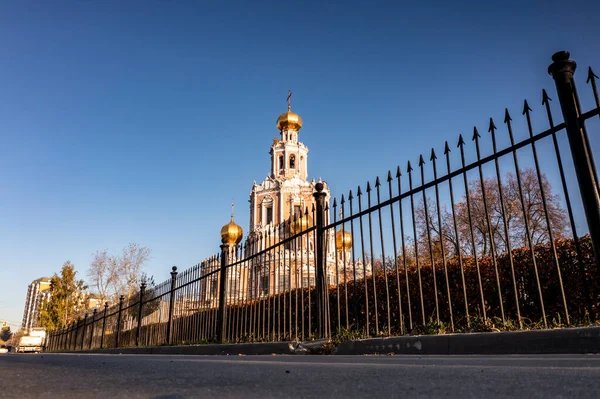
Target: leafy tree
112, 276
66, 299
5, 334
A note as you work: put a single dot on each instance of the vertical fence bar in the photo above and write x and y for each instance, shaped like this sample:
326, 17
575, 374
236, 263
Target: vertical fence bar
83, 333
171, 303
562, 70
76, 333
93, 322
320, 256
222, 298
140, 308
103, 325
118, 333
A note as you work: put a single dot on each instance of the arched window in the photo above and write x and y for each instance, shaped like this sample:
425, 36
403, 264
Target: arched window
292, 162
283, 279
280, 162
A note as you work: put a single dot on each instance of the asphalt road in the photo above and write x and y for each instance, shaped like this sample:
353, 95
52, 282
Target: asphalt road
161, 376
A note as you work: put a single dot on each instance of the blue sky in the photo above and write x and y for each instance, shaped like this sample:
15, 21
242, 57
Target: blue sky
131, 121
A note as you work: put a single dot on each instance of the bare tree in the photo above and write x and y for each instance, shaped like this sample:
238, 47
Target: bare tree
478, 217
112, 276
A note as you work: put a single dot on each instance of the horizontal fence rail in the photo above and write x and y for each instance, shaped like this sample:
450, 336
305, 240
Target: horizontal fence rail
481, 235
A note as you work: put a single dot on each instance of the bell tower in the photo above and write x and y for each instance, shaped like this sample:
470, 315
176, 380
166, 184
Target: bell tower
286, 190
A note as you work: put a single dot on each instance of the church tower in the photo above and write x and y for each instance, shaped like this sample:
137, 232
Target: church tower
286, 190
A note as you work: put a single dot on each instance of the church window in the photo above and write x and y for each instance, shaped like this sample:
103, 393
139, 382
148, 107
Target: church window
297, 210
292, 162
264, 285
269, 215
308, 281
281, 162
213, 288
283, 282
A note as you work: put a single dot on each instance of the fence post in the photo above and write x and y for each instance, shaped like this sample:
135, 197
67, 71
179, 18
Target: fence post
139, 325
562, 70
93, 322
83, 335
69, 337
103, 325
222, 294
320, 258
171, 303
121, 299
73, 338
77, 323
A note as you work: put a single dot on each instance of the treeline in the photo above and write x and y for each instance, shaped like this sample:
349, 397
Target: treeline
109, 276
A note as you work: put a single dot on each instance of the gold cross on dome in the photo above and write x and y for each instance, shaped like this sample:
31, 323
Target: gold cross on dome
289, 98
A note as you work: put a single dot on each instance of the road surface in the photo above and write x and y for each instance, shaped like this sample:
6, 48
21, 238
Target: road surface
162, 376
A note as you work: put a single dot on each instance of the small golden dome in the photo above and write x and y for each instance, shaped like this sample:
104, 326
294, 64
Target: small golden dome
289, 120
343, 240
300, 224
231, 233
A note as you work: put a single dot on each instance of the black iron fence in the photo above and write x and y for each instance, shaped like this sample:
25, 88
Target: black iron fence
475, 237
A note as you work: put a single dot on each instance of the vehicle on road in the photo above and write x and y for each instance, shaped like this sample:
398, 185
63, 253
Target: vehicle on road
33, 341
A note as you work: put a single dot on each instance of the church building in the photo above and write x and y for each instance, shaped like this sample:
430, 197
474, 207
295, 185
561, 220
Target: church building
284, 196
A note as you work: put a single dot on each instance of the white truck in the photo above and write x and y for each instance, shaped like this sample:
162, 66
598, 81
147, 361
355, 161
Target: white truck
32, 342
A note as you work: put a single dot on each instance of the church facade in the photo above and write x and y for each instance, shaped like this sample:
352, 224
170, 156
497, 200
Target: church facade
285, 197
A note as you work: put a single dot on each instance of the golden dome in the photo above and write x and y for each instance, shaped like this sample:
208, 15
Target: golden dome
300, 224
231, 233
289, 120
343, 240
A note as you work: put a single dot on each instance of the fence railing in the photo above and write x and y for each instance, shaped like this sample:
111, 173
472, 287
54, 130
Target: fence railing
475, 237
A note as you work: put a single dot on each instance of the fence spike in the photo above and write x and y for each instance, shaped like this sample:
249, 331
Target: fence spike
507, 117
492, 127
334, 202
359, 192
377, 183
526, 108
421, 160
433, 156
476, 135
368, 187
389, 178
342, 201
350, 197
591, 76
461, 141
545, 98
446, 148
409, 167
398, 172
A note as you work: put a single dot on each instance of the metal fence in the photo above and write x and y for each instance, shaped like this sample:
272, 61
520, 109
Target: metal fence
476, 239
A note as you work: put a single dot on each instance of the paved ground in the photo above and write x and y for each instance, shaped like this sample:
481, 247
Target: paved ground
155, 376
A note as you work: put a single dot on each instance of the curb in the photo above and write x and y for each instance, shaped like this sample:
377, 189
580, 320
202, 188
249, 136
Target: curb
558, 341
564, 340
263, 348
